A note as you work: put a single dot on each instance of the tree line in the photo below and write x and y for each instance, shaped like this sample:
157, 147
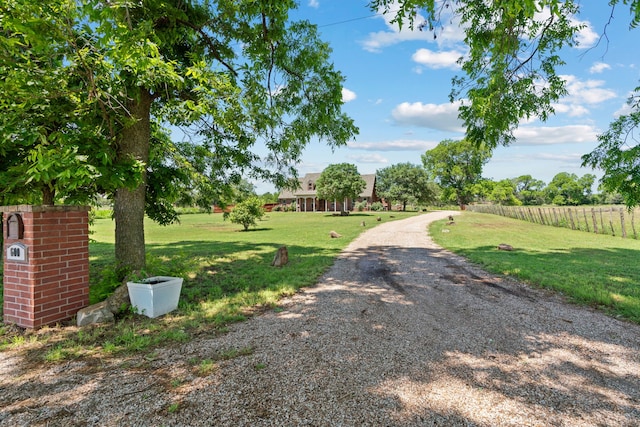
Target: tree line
451, 173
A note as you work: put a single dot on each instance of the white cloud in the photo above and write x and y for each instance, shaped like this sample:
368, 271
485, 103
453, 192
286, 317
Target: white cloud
581, 95
314, 3
586, 91
551, 135
624, 110
449, 35
436, 60
572, 110
378, 40
434, 116
394, 145
599, 67
348, 95
519, 158
586, 37
368, 158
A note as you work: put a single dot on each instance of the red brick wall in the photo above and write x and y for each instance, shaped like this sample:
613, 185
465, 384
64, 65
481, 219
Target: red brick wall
54, 282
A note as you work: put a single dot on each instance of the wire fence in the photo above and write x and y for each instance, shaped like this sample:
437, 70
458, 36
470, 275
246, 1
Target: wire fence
610, 220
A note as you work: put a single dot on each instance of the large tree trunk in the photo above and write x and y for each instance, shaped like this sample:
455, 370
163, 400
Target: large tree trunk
48, 196
128, 206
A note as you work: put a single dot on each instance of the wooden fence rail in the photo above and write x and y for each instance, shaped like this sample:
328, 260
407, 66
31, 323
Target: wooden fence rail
610, 220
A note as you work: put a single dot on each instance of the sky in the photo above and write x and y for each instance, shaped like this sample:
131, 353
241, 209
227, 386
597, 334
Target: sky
398, 83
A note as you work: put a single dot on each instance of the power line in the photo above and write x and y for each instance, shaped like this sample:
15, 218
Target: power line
349, 20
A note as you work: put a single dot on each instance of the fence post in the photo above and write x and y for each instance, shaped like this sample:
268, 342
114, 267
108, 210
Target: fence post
595, 222
613, 232
586, 221
633, 226
624, 229
573, 225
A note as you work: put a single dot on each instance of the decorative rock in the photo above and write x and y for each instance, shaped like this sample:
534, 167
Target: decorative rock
378, 219
119, 299
96, 313
281, 258
103, 312
334, 235
505, 247
362, 224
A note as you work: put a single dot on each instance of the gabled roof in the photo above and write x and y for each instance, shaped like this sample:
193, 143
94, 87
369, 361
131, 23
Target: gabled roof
304, 191
370, 179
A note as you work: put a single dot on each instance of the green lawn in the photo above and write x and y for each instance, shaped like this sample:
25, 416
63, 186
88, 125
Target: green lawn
227, 276
596, 270
224, 266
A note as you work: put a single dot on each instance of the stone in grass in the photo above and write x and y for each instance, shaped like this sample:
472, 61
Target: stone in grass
281, 258
119, 300
103, 312
96, 313
505, 247
334, 235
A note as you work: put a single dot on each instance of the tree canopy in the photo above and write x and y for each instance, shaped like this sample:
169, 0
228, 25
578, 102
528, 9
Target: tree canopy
92, 87
618, 154
339, 182
529, 190
456, 166
569, 189
405, 183
510, 72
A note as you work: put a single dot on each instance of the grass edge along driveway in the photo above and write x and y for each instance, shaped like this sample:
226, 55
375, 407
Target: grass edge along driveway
595, 270
227, 276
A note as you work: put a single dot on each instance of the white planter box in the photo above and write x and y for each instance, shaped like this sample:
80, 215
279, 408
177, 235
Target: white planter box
156, 295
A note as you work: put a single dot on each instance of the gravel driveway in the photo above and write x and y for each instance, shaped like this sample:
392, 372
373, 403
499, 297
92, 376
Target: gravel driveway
398, 332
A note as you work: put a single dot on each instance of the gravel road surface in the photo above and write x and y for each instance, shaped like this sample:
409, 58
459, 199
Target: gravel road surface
399, 332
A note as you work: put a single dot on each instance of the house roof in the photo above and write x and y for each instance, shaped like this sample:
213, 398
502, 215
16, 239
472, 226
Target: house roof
304, 191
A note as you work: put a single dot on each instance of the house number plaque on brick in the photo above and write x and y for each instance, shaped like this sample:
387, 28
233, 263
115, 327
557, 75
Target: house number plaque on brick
17, 252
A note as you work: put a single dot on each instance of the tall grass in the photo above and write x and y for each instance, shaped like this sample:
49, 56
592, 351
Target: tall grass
596, 270
611, 220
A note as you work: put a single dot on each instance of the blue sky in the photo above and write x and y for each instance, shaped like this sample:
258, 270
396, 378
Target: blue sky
398, 82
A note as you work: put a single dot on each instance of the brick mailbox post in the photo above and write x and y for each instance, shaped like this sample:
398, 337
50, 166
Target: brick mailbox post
46, 263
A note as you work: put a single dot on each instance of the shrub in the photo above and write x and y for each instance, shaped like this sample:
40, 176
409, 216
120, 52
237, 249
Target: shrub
247, 212
376, 206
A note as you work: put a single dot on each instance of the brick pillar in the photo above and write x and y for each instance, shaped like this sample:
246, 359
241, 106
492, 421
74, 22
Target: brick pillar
48, 281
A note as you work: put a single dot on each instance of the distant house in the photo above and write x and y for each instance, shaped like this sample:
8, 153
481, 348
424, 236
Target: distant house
305, 199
